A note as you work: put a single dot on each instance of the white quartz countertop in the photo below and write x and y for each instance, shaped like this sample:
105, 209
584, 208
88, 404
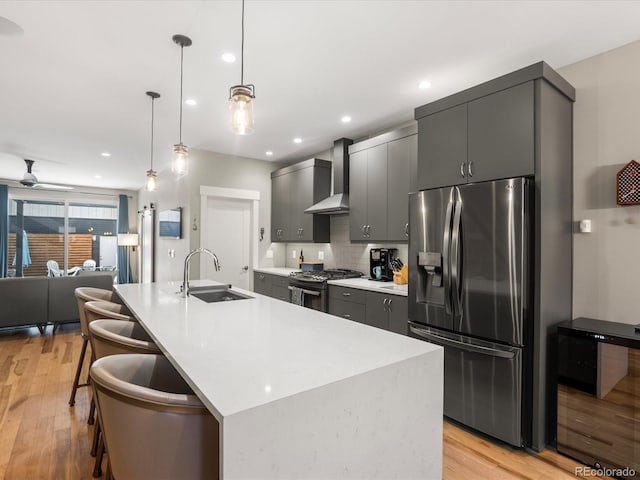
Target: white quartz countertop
364, 283
282, 271
242, 354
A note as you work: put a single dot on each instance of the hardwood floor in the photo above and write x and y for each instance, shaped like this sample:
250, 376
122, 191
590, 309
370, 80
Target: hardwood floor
41, 437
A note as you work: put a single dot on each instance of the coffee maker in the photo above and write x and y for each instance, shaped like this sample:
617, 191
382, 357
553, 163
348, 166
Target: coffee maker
380, 263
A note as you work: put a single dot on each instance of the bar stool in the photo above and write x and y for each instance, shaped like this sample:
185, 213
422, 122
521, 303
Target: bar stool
83, 295
114, 337
154, 426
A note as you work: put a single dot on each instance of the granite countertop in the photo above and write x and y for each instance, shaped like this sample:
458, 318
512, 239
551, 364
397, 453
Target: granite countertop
364, 283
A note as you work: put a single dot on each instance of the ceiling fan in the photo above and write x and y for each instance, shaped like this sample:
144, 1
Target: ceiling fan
30, 180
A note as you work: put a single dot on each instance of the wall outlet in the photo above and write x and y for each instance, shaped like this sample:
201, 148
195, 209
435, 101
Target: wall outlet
320, 255
269, 253
294, 254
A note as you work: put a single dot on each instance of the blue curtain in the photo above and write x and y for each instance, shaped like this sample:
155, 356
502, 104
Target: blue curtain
4, 230
123, 227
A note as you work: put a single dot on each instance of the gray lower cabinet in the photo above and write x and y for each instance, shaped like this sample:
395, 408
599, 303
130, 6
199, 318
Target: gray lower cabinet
275, 286
381, 175
294, 189
388, 312
485, 139
262, 283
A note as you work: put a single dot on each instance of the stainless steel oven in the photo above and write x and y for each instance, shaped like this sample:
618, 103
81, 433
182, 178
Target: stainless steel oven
309, 289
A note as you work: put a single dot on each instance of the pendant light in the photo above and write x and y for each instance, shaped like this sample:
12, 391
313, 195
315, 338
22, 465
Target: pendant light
152, 176
241, 98
179, 165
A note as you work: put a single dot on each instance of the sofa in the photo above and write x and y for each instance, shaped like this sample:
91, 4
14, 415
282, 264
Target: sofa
42, 300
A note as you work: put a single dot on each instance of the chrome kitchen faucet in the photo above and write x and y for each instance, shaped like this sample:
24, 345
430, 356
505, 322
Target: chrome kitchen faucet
184, 288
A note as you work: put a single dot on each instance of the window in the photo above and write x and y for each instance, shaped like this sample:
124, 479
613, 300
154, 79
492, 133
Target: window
61, 237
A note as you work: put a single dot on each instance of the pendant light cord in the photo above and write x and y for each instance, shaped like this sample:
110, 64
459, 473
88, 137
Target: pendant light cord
152, 103
181, 68
242, 49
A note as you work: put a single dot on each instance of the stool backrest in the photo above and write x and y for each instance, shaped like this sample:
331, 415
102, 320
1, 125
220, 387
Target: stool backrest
151, 415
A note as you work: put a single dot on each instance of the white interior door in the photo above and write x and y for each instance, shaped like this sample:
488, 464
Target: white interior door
108, 250
227, 226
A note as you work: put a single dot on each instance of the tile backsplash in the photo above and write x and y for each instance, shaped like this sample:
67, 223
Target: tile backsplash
340, 253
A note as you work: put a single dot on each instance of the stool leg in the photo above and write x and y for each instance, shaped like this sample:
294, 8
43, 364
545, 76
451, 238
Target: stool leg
72, 399
92, 413
96, 440
97, 467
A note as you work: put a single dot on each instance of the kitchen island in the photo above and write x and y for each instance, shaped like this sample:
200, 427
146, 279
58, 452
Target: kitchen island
299, 393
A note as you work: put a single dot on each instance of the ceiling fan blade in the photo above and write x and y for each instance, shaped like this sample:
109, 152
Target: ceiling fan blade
7, 27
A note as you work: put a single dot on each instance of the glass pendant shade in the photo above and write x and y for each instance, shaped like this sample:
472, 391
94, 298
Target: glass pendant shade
152, 181
180, 164
241, 106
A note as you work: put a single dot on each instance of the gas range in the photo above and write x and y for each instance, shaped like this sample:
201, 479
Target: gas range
324, 275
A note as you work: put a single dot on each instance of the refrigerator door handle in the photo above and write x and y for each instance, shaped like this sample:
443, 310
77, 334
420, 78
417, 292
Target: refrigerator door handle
443, 341
456, 270
446, 248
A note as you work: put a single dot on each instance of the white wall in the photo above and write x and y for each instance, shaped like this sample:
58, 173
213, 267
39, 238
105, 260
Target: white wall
214, 170
606, 136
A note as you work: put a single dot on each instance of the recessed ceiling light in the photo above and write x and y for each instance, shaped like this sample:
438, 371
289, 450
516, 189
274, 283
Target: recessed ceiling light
190, 101
345, 119
228, 57
297, 140
268, 153
105, 154
424, 84
97, 176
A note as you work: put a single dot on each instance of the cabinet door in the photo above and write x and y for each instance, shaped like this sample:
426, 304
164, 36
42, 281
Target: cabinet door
377, 193
358, 195
300, 223
377, 315
442, 148
261, 283
501, 134
280, 186
349, 310
397, 307
401, 157
281, 293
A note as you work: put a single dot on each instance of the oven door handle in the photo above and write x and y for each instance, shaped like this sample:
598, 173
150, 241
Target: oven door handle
307, 292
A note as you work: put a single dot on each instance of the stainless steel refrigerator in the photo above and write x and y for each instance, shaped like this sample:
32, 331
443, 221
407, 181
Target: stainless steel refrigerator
470, 291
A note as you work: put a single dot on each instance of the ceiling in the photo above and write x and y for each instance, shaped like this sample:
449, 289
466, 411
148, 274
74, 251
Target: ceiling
74, 74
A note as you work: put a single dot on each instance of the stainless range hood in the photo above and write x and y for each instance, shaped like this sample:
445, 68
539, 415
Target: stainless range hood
338, 203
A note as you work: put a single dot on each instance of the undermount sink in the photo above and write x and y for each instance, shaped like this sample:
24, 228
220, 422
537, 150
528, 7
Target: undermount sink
216, 293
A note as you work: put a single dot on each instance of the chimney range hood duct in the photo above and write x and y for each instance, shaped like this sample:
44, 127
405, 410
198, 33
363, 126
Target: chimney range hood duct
338, 203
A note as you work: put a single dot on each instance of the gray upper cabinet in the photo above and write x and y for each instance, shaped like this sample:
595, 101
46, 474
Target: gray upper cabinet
368, 194
442, 148
500, 135
486, 138
358, 195
380, 178
280, 187
401, 175
293, 189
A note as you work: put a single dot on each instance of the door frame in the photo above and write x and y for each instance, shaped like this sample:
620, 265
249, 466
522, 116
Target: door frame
253, 197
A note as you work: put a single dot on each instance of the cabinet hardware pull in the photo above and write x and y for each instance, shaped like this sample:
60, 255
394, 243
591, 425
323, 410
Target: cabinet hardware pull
462, 170
471, 169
